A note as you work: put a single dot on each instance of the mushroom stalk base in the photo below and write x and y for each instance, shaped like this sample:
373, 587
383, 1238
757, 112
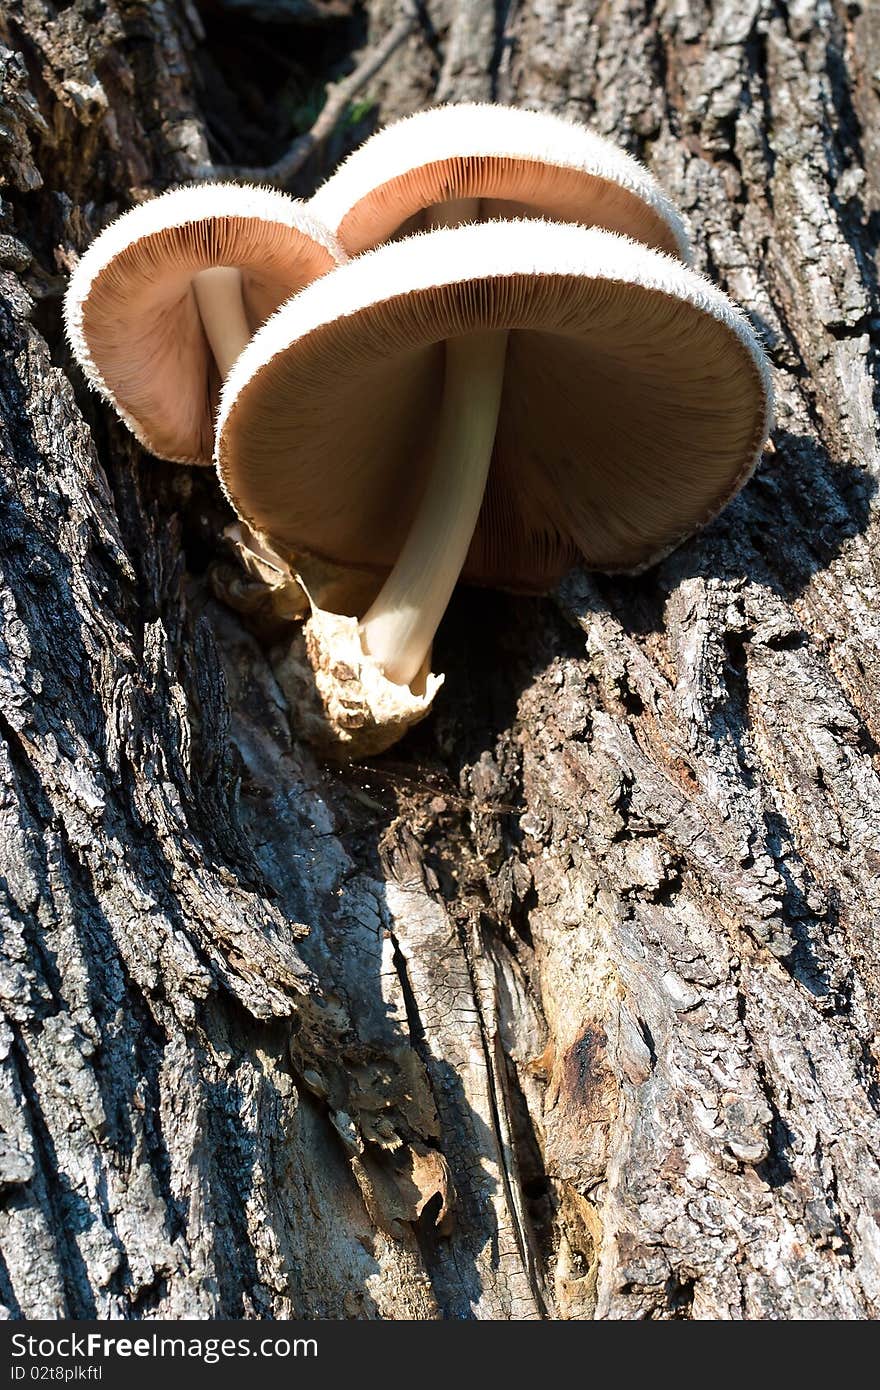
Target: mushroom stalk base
221, 306
340, 700
399, 627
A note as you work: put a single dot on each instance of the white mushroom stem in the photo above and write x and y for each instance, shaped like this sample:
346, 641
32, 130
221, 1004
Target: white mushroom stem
454, 213
221, 306
399, 628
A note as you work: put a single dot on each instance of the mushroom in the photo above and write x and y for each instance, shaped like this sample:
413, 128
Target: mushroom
257, 584
263, 587
165, 299
491, 402
478, 162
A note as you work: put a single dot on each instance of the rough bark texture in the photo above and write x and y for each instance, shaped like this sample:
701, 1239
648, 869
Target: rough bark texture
567, 1007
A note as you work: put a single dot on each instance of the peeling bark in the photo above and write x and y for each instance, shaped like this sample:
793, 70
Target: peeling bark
567, 1007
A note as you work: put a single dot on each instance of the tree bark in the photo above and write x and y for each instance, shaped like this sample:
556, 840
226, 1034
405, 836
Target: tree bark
566, 1008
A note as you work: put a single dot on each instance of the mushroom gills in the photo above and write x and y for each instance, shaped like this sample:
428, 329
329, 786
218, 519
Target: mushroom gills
398, 629
218, 293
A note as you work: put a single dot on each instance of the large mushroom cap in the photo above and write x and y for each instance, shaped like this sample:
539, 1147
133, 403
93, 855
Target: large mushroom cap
635, 402
518, 163
131, 313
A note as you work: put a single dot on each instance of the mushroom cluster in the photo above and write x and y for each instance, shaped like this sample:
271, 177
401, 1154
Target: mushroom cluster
493, 362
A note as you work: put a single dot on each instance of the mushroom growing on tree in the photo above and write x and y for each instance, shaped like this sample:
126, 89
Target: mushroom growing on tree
492, 402
476, 162
166, 298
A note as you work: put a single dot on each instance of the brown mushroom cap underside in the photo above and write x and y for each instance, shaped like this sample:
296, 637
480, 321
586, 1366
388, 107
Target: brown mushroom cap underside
635, 402
517, 162
142, 329
506, 188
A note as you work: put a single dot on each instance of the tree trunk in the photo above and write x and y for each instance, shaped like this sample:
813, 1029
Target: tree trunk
567, 1007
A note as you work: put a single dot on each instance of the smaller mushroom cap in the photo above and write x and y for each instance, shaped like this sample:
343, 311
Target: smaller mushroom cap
131, 314
519, 163
636, 401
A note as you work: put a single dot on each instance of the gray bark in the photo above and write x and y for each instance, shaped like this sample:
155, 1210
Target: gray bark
566, 1008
